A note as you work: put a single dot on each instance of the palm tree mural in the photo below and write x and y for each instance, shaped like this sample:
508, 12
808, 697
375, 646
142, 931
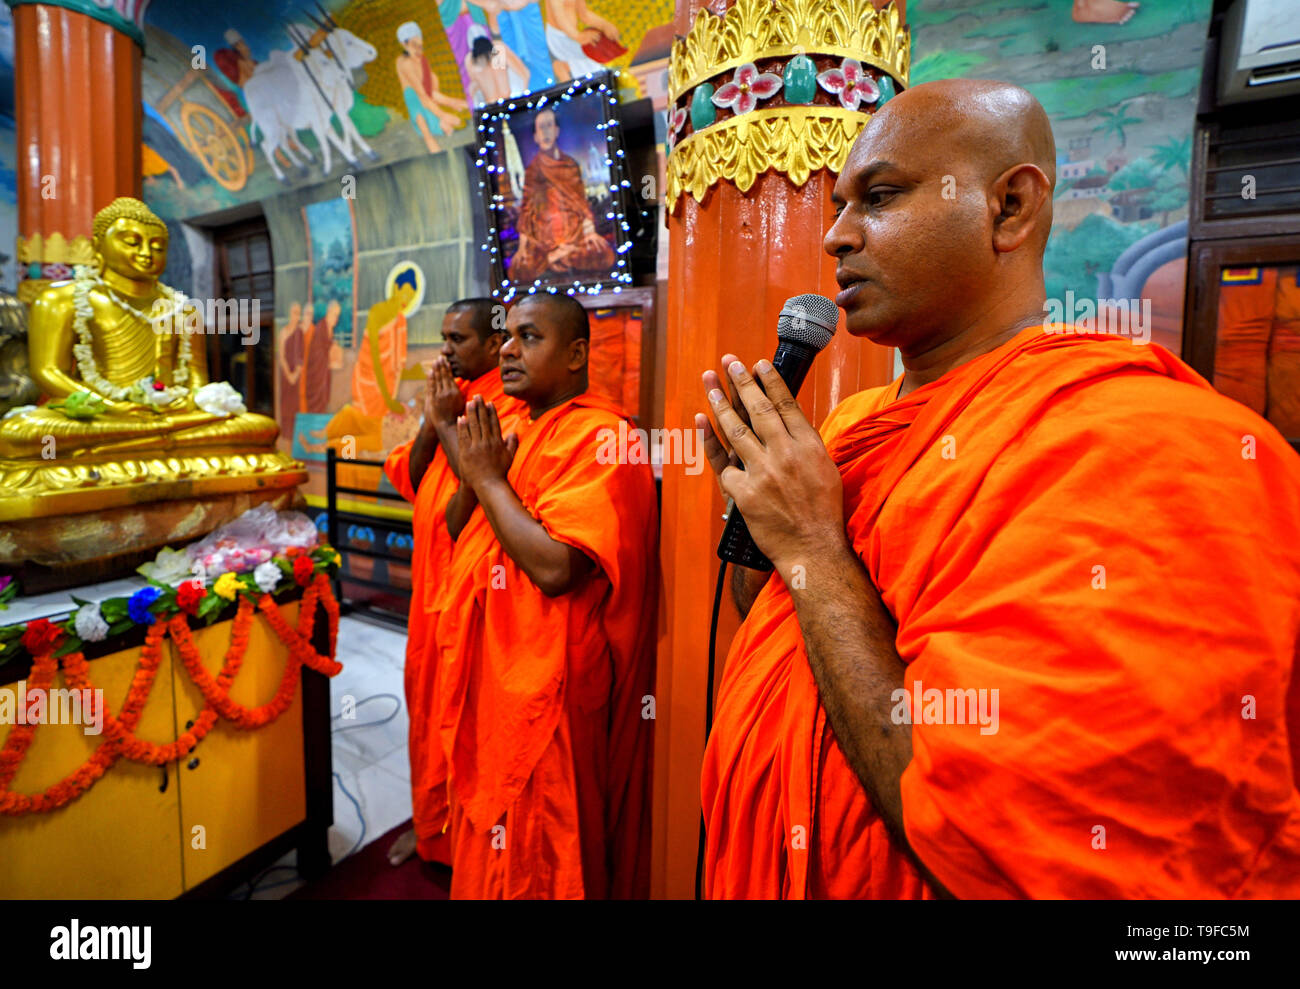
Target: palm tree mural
1114, 121
1173, 153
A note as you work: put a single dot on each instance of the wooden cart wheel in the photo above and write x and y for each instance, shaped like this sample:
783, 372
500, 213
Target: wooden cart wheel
216, 145
247, 145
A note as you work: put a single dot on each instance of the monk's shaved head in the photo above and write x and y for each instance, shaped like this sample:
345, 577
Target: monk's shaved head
944, 210
567, 313
986, 126
995, 124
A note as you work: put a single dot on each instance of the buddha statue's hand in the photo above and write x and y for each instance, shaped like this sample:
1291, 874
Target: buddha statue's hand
117, 407
184, 403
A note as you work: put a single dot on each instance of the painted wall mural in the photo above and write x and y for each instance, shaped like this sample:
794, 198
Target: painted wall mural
280, 93
285, 102
361, 288
1122, 114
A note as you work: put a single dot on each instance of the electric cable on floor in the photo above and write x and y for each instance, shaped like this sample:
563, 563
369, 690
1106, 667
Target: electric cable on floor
370, 724
365, 724
362, 837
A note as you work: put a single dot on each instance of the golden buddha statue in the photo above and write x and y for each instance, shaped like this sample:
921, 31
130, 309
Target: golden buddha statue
121, 357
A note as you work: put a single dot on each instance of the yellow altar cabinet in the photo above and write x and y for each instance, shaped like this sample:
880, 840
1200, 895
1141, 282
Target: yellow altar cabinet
188, 790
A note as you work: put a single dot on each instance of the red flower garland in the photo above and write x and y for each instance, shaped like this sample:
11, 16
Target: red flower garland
190, 595
121, 741
303, 569
41, 636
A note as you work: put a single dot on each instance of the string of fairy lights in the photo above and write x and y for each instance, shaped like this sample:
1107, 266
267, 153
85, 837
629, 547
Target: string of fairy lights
489, 120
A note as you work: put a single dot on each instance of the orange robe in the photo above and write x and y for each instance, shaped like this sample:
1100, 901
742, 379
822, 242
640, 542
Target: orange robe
429, 562
983, 506
552, 214
544, 719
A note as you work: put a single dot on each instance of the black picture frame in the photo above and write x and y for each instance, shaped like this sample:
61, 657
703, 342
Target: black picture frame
501, 200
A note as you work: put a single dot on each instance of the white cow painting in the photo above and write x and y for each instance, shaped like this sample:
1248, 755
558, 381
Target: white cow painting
287, 94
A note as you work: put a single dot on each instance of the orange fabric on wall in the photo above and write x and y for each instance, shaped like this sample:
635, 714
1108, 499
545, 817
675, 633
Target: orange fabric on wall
1241, 353
542, 698
429, 561
614, 367
1257, 353
983, 505
1284, 357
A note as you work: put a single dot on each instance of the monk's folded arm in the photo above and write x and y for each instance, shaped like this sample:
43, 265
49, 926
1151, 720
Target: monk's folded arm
555, 567
459, 509
849, 637
422, 453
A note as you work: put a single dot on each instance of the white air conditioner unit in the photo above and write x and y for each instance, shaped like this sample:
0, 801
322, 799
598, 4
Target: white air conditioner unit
1259, 51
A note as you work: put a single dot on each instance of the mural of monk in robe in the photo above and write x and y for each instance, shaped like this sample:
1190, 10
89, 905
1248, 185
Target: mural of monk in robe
304, 358
557, 233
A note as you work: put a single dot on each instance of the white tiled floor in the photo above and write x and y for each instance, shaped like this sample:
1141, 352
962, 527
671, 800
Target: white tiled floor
370, 760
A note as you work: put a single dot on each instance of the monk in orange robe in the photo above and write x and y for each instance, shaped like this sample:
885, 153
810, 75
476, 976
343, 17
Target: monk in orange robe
424, 471
547, 632
557, 233
1042, 643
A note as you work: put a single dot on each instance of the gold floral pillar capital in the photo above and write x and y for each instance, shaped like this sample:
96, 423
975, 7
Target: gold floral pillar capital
786, 85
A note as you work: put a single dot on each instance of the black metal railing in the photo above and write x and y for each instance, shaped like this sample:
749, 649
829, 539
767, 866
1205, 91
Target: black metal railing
374, 578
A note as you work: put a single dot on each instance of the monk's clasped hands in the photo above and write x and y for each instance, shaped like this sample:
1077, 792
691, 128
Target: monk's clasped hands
484, 454
788, 488
444, 401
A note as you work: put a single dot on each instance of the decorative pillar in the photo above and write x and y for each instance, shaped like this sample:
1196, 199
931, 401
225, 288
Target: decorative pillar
766, 97
78, 113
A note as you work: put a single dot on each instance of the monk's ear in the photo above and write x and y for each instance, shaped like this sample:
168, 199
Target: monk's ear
492, 345
1022, 197
578, 354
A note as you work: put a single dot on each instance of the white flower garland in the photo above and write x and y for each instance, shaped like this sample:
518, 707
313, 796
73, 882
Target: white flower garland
85, 277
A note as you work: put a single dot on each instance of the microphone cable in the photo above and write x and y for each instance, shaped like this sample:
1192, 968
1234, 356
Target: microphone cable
708, 713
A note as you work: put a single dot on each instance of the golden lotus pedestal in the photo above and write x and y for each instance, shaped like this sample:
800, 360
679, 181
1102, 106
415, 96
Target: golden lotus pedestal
64, 524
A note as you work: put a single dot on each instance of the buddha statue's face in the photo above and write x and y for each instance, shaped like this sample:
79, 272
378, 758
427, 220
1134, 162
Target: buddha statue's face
134, 249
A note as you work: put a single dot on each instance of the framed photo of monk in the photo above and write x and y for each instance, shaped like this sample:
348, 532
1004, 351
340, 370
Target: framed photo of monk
555, 189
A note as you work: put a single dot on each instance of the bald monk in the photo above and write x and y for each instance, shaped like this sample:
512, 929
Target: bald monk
424, 471
546, 633
1082, 560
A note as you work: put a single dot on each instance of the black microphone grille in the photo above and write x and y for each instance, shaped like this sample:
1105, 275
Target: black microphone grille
808, 319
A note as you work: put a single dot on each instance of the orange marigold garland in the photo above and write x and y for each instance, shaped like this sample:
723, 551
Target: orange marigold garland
121, 741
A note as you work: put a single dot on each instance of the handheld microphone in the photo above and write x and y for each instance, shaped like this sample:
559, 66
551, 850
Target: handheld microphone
804, 328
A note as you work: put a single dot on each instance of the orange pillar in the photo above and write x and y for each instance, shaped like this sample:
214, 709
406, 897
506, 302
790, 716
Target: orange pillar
78, 114
749, 200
